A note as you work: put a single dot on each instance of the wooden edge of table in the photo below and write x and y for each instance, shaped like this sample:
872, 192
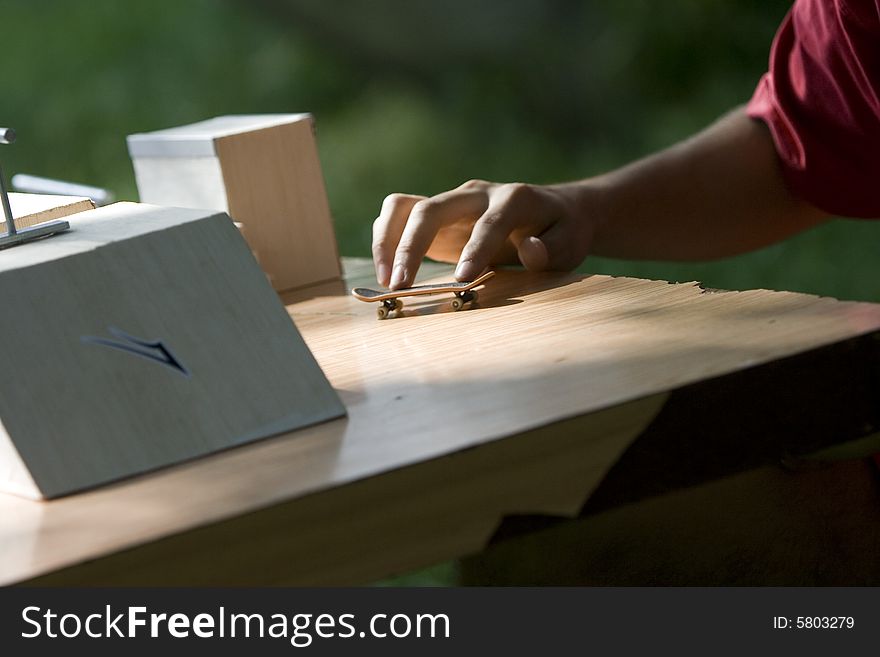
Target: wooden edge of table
421, 514
290, 542
384, 524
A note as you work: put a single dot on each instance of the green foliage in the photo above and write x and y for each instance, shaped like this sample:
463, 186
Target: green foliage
412, 96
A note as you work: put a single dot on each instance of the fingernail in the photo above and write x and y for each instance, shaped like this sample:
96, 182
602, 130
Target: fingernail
465, 271
398, 277
383, 271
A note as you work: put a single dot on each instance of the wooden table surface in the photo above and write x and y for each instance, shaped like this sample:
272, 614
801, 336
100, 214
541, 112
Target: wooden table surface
554, 385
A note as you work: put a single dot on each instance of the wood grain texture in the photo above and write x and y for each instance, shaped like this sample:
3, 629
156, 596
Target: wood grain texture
446, 412
182, 278
369, 528
33, 209
275, 188
744, 457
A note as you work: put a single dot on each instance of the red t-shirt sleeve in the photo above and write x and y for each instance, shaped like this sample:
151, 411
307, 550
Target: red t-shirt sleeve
820, 101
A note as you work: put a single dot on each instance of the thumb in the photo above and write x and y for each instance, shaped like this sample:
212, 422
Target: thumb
553, 250
533, 254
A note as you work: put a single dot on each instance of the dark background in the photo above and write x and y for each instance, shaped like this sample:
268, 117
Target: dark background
414, 96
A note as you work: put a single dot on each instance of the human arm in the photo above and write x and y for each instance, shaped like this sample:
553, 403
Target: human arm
716, 194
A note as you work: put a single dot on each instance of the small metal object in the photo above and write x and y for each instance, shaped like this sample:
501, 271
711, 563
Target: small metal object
23, 182
13, 236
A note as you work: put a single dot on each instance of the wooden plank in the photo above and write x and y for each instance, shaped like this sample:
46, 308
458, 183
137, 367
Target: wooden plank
386, 524
33, 209
730, 484
432, 389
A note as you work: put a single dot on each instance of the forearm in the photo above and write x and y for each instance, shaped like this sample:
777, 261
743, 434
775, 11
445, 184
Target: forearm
717, 194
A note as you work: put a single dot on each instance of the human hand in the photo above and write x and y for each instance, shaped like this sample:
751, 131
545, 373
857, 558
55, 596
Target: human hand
479, 224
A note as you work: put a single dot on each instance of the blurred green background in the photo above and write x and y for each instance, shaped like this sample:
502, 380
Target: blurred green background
414, 96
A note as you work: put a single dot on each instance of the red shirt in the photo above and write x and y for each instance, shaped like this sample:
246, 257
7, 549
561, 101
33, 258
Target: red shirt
820, 101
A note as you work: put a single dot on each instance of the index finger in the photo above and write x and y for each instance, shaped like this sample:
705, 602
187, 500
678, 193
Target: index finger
387, 229
426, 218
